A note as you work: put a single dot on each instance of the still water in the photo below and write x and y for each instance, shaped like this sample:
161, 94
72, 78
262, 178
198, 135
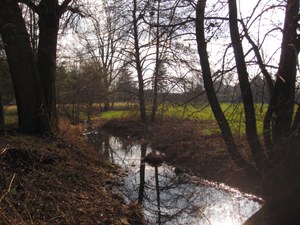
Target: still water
173, 198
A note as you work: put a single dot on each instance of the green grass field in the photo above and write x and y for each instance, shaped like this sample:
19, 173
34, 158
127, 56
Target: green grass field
233, 112
10, 115
111, 115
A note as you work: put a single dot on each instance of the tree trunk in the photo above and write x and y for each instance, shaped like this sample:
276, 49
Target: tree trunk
141, 93
49, 17
283, 140
22, 66
106, 104
157, 66
247, 97
282, 182
2, 125
210, 92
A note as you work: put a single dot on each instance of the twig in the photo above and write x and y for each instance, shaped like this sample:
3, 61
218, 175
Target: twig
9, 187
3, 151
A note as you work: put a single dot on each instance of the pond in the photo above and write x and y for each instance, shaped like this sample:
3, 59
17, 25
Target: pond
169, 196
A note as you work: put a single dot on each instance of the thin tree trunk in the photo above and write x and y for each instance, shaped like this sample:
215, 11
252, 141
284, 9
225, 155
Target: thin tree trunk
250, 118
106, 104
156, 73
139, 65
210, 92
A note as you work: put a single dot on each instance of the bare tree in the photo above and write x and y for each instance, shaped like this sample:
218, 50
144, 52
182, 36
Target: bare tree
157, 65
136, 19
103, 40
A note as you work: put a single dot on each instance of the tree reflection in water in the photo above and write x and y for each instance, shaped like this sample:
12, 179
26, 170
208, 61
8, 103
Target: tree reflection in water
168, 198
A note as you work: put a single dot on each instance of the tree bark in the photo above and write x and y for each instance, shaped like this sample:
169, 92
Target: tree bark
22, 66
49, 16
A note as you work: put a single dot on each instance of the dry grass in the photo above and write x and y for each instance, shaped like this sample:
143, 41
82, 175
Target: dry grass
58, 180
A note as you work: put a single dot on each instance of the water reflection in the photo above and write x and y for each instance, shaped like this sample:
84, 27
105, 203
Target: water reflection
170, 198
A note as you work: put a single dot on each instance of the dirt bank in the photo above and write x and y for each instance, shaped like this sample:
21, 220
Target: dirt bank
59, 179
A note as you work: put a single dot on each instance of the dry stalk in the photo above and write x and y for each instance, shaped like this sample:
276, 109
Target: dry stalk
4, 217
3, 151
28, 213
9, 187
16, 214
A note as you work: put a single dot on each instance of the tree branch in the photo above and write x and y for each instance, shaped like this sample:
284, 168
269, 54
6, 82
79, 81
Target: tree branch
75, 10
31, 5
64, 6
259, 59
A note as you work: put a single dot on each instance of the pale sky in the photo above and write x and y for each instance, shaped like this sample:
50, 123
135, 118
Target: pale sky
257, 32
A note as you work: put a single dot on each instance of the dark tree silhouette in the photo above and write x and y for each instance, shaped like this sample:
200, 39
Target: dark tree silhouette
33, 77
49, 13
22, 67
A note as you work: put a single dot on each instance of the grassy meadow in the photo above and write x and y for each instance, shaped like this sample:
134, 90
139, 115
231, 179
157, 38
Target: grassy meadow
10, 115
233, 112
